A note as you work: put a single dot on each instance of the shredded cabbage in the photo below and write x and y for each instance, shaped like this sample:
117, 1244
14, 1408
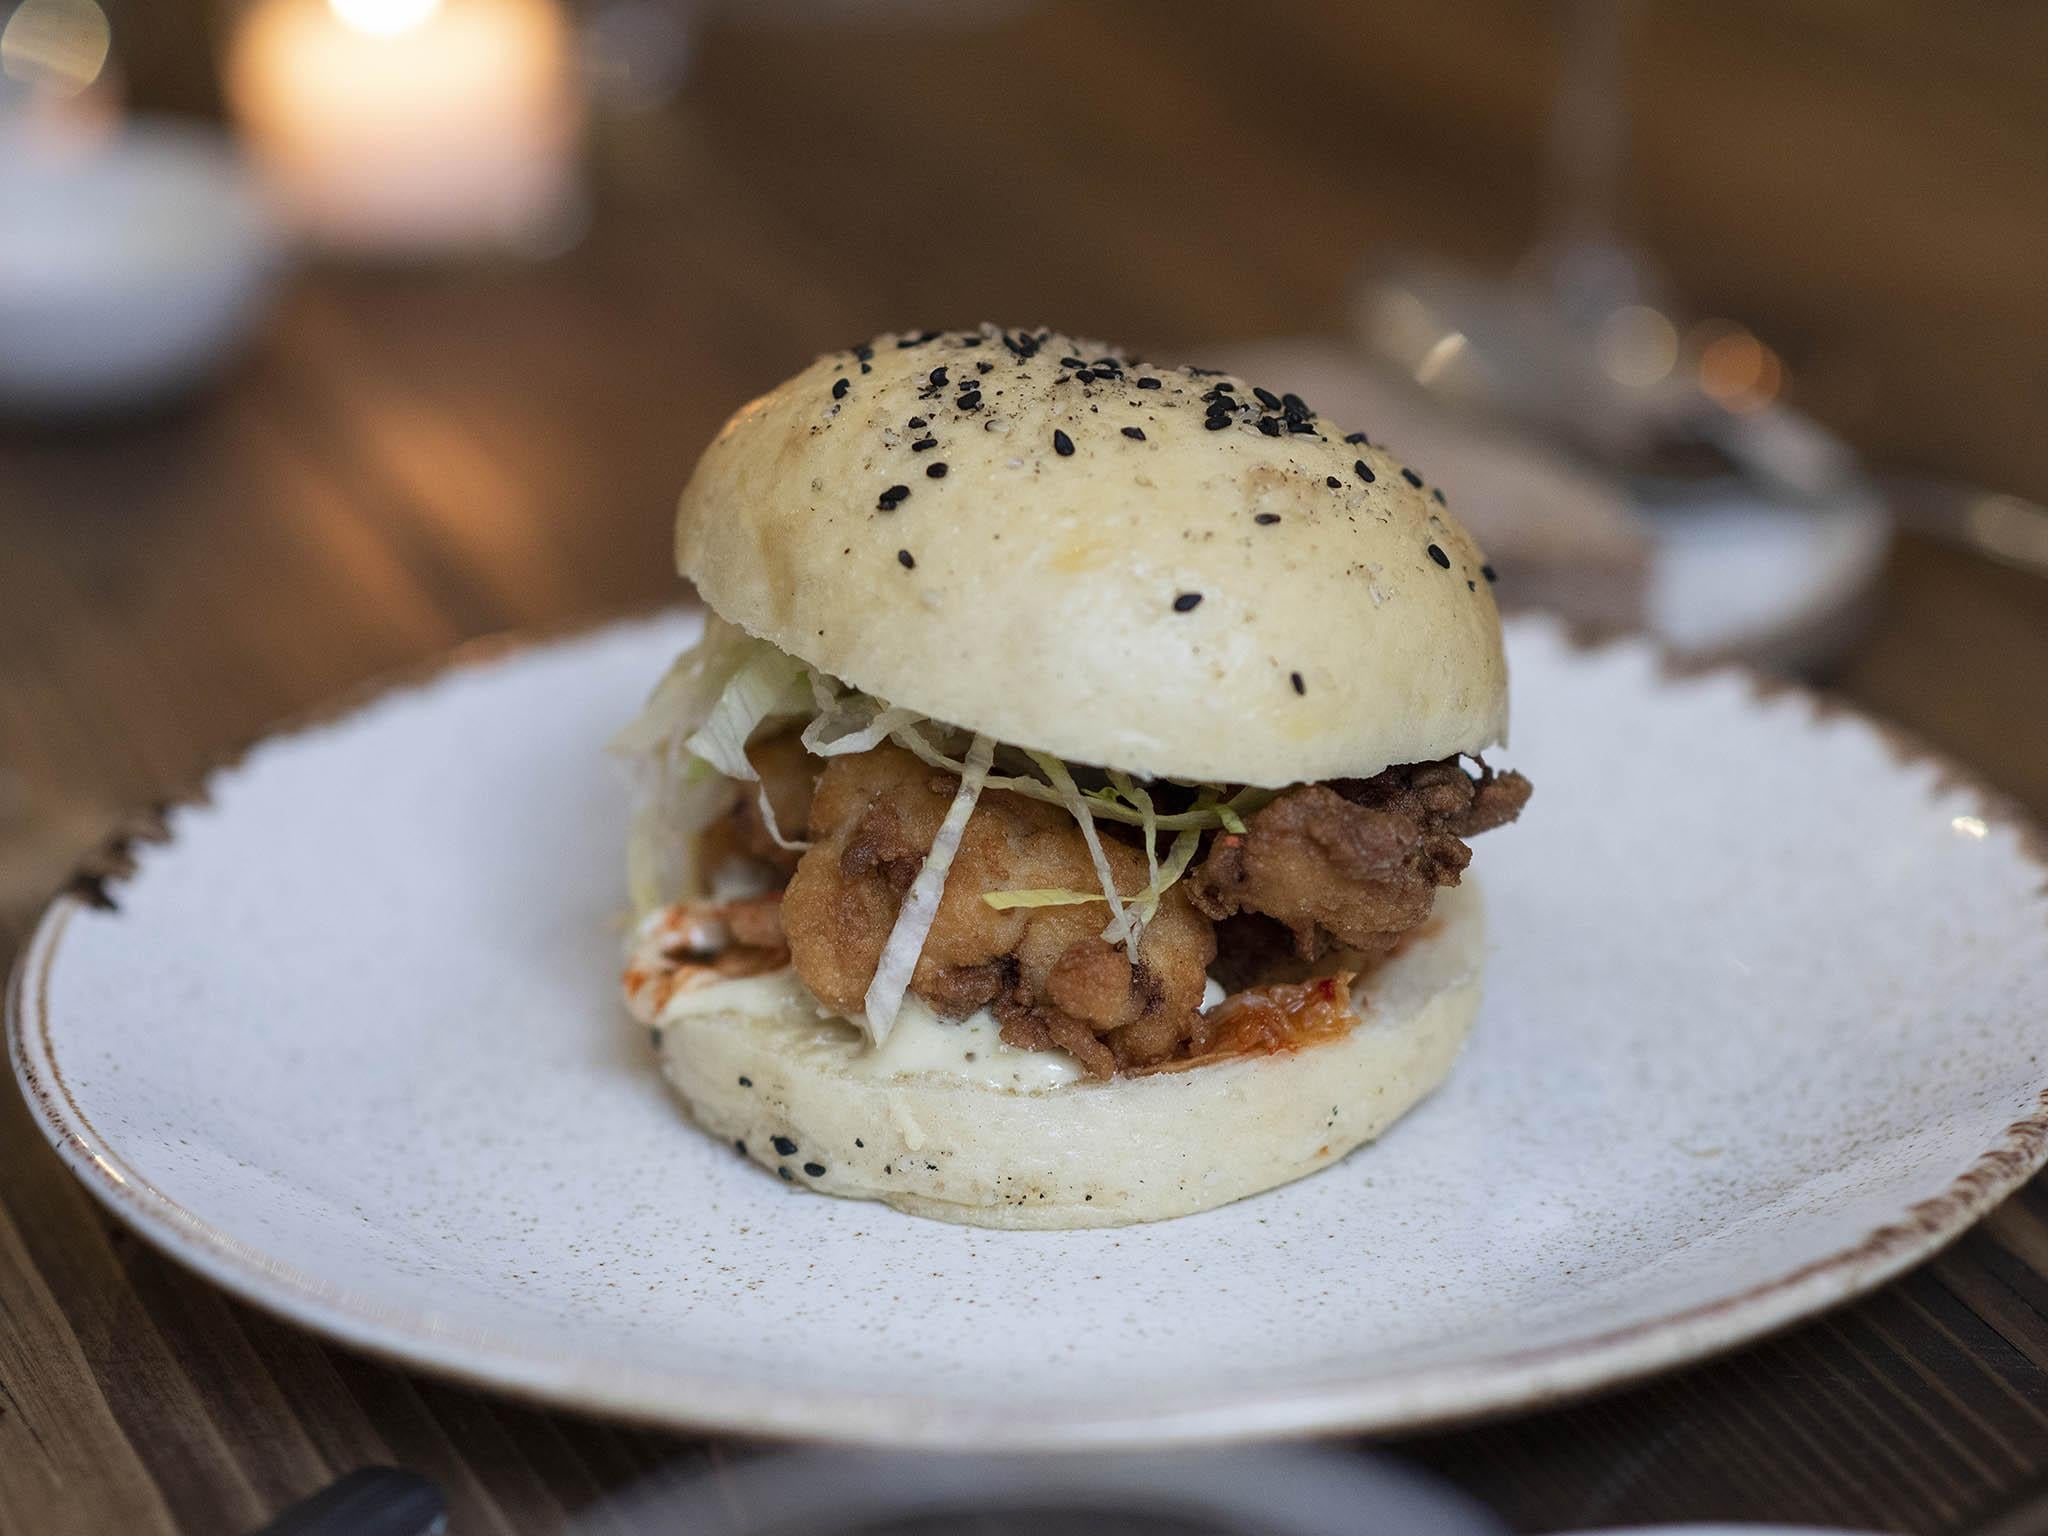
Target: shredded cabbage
689, 750
769, 684
921, 905
1105, 802
1077, 807
842, 726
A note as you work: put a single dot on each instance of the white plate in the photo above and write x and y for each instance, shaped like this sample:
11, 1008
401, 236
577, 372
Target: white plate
1763, 1027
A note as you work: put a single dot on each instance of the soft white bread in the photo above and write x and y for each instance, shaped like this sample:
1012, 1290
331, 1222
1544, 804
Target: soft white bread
1097, 573
759, 1067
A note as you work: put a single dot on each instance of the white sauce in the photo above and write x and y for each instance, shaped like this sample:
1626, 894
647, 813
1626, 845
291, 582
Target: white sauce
969, 1050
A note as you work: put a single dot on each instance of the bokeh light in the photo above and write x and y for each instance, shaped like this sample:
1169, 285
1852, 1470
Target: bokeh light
384, 18
58, 46
1636, 346
1735, 369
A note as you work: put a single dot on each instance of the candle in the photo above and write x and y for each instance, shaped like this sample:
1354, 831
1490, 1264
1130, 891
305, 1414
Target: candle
401, 127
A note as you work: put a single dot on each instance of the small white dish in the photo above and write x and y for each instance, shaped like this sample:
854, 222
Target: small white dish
1762, 1029
129, 269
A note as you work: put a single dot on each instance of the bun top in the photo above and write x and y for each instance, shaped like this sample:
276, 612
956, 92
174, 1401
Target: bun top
1165, 570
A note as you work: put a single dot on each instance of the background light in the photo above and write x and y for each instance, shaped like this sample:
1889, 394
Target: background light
1636, 346
58, 46
384, 18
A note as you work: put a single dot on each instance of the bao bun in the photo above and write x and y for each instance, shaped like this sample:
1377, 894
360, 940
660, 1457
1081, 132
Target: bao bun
1095, 572
1159, 570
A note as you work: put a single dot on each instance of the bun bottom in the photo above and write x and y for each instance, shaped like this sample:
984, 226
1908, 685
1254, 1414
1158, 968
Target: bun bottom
759, 1067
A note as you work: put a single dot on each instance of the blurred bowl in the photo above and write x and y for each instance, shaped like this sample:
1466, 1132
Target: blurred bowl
130, 269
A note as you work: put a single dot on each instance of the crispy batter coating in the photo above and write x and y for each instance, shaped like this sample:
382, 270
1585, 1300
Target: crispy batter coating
1355, 863
1045, 972
790, 775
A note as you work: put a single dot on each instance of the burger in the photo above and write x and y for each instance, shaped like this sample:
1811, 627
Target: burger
1061, 820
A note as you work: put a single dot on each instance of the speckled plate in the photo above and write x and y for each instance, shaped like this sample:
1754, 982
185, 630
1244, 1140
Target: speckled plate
1764, 1025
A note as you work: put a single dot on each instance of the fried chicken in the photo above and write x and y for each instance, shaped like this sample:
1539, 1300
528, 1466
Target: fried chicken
1356, 862
1045, 972
790, 775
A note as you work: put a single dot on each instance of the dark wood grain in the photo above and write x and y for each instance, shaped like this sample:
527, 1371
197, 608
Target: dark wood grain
409, 459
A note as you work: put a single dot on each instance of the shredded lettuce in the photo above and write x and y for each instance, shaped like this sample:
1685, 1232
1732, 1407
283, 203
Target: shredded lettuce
921, 905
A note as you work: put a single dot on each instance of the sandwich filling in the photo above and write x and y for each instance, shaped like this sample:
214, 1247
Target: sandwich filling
786, 820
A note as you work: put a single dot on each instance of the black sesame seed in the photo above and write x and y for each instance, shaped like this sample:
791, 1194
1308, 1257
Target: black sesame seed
783, 1145
1267, 398
888, 499
915, 421
915, 341
1299, 685
1333, 482
865, 354
923, 443
1085, 376
1187, 602
867, 368
1135, 434
1471, 586
787, 1176
1437, 497
1295, 405
1359, 468
1217, 423
1439, 557
1022, 344
1270, 425
1148, 383
1062, 444
1223, 386
982, 366
1072, 362
1268, 519
1488, 572
905, 559
858, 1142
936, 378
840, 388
1412, 478
936, 471
815, 1170
1297, 424
739, 1146
1354, 438
746, 1082
971, 401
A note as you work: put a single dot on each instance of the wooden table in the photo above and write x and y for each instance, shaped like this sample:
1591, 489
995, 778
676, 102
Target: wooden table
410, 459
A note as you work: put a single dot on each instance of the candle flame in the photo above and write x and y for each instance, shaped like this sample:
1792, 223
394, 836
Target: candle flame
383, 18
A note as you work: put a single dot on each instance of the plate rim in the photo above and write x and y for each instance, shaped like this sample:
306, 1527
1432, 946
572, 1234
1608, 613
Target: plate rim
1406, 1400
